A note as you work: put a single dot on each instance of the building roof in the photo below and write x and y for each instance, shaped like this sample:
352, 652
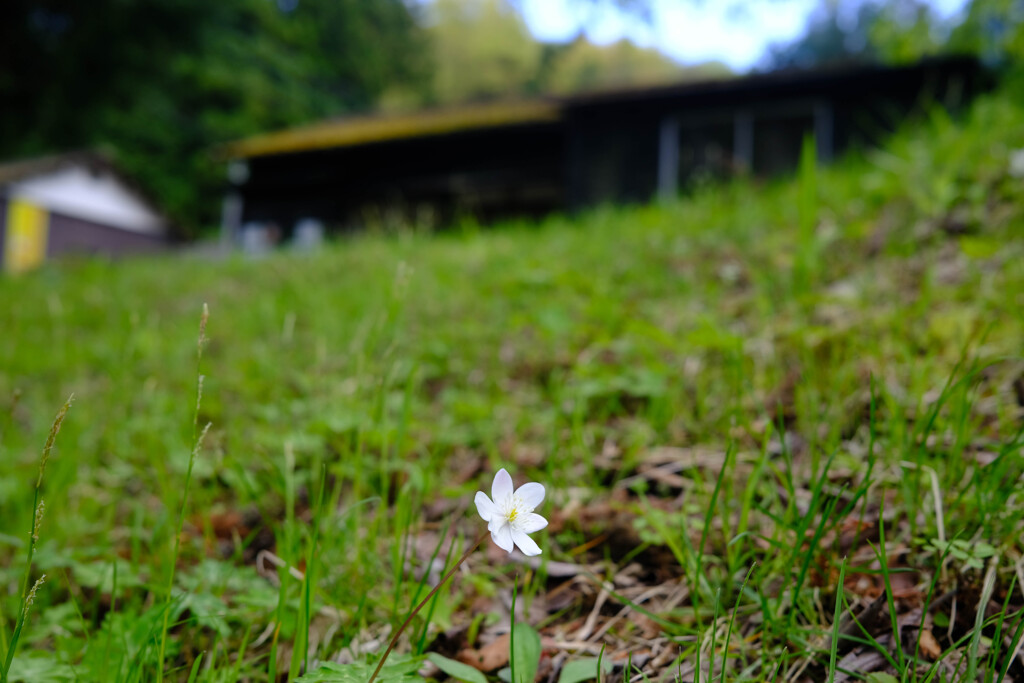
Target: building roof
22, 169
357, 130
836, 77
67, 183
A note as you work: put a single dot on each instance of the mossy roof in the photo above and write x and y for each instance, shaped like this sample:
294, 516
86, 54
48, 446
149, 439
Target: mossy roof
360, 130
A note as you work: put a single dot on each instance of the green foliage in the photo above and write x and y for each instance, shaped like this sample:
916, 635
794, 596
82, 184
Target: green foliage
482, 49
833, 34
896, 32
457, 670
806, 266
525, 655
993, 29
881, 677
582, 65
399, 669
346, 386
585, 669
968, 555
161, 82
28, 587
41, 668
904, 31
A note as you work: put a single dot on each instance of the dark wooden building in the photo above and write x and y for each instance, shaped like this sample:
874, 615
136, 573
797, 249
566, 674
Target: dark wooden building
533, 157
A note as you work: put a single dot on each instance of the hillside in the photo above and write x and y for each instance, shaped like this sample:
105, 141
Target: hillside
738, 403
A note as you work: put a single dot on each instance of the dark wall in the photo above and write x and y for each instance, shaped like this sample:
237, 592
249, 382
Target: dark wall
613, 155
490, 174
613, 138
70, 235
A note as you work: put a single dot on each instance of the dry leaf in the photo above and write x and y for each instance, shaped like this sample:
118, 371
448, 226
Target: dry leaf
490, 657
929, 646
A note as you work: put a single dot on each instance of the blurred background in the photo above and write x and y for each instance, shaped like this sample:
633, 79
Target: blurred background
157, 86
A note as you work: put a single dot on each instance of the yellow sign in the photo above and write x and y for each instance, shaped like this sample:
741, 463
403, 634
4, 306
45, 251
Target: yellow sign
25, 237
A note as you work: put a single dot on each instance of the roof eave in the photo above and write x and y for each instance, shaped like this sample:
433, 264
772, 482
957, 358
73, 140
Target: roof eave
373, 129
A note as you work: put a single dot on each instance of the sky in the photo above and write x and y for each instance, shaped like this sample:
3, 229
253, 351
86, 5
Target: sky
734, 32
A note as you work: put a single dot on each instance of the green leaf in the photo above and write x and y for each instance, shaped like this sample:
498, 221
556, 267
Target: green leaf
982, 549
398, 669
12, 540
457, 670
579, 670
39, 667
980, 247
526, 654
100, 575
193, 675
879, 677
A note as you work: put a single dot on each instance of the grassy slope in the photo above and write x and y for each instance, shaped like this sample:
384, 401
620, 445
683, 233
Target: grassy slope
572, 353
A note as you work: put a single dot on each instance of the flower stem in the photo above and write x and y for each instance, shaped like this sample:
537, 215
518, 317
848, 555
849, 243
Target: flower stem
512, 633
415, 611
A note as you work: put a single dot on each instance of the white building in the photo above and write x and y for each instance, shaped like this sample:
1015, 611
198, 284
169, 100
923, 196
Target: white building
75, 203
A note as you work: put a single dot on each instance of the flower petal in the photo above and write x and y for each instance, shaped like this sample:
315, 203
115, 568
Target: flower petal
532, 522
525, 543
502, 487
485, 507
502, 537
532, 494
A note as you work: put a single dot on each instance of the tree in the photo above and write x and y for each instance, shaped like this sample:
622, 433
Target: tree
907, 31
992, 29
582, 65
162, 82
482, 49
832, 36
898, 31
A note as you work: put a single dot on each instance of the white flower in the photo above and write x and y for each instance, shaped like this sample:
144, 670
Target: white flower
510, 516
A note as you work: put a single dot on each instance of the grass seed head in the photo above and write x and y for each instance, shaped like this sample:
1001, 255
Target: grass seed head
32, 595
40, 509
202, 329
52, 437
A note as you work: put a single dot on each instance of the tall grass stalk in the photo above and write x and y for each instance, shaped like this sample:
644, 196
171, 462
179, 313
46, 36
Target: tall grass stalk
730, 454
422, 604
987, 588
837, 613
883, 560
421, 642
732, 620
288, 476
300, 651
197, 440
1013, 650
714, 638
28, 589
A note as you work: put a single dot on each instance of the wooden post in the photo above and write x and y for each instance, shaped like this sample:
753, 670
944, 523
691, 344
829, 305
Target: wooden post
668, 158
743, 140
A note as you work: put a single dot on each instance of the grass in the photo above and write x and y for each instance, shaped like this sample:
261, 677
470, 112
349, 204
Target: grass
780, 425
